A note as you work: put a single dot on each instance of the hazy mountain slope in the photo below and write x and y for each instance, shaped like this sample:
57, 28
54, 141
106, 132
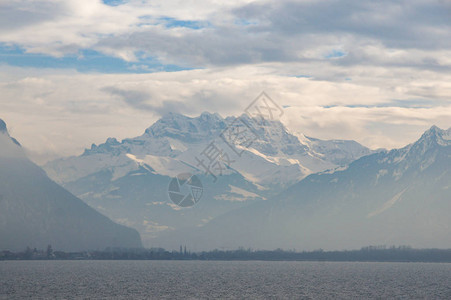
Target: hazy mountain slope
140, 200
398, 197
35, 211
128, 180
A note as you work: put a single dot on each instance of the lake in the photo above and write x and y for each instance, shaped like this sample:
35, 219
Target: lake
222, 279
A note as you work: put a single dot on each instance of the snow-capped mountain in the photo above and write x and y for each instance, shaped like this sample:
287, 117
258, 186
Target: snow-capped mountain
36, 212
128, 180
170, 145
402, 196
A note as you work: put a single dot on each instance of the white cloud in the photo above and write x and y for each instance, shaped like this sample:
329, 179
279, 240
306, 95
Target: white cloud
64, 113
65, 27
241, 32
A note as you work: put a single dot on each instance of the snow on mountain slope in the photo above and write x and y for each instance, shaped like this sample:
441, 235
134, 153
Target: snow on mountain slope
339, 152
128, 180
276, 157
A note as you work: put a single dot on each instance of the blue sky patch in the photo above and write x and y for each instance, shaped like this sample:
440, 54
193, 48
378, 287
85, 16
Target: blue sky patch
85, 61
244, 22
336, 54
171, 23
114, 2
302, 76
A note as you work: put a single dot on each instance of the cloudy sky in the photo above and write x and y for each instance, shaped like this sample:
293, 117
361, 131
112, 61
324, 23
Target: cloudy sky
75, 72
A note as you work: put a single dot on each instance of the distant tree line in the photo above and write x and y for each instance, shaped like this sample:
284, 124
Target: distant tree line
370, 253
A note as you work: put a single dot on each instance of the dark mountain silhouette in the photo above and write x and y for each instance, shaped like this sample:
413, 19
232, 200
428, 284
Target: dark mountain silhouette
35, 211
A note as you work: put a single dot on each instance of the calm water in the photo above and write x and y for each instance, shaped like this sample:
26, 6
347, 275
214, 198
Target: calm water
212, 279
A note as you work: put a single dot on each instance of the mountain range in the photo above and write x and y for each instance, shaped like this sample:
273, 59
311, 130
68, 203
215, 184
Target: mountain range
128, 180
402, 196
276, 190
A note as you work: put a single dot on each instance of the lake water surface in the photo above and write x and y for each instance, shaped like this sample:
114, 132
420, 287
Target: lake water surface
222, 279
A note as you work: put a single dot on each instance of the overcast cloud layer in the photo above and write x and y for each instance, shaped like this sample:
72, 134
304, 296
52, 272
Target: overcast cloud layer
378, 72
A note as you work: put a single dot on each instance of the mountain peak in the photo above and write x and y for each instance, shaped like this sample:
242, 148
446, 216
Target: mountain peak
433, 130
112, 141
3, 126
4, 130
209, 115
432, 139
183, 127
436, 135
